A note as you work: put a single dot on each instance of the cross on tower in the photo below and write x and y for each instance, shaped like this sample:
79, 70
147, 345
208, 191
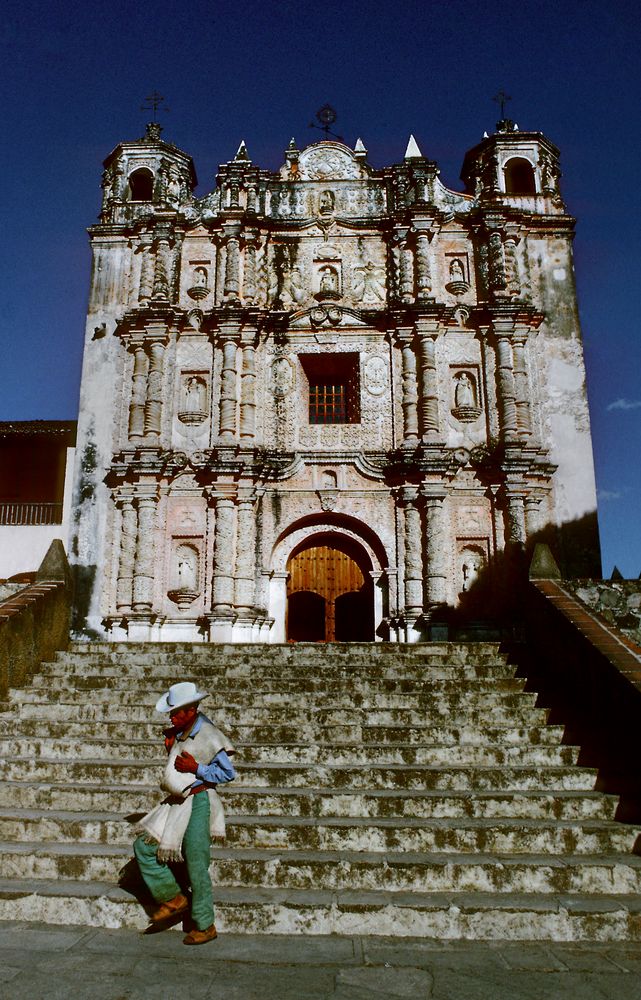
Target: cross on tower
502, 98
153, 102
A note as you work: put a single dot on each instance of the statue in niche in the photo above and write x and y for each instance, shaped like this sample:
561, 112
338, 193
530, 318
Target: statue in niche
326, 202
200, 277
465, 391
330, 480
194, 394
173, 188
472, 563
186, 568
328, 280
456, 270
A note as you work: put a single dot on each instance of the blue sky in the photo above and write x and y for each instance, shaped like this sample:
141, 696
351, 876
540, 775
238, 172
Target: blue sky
76, 75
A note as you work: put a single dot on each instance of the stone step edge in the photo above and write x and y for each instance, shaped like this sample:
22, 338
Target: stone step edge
427, 859
317, 791
457, 823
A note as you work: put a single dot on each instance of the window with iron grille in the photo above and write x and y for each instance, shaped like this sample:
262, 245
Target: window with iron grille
334, 387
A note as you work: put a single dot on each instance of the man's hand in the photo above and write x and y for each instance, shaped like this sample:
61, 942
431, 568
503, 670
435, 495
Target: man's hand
185, 763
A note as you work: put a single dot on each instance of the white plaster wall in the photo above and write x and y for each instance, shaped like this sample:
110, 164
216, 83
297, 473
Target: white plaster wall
23, 547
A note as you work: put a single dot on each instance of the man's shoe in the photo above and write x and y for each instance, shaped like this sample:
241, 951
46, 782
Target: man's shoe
201, 937
172, 908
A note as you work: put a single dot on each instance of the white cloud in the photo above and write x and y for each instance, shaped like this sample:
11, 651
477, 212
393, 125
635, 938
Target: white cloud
624, 404
606, 495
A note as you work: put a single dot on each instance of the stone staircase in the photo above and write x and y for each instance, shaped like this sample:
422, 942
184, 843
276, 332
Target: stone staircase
382, 789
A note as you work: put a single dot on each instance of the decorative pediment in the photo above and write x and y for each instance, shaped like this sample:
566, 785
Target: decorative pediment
328, 161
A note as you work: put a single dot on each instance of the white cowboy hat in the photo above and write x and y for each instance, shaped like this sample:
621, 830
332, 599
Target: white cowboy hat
183, 693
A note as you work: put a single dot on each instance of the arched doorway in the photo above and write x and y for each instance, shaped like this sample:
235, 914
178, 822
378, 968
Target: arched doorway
330, 593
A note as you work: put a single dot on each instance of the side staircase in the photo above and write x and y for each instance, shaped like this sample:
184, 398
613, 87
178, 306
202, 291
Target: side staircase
382, 789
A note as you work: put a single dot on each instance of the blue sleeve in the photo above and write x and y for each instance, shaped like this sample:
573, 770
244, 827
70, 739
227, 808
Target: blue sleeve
218, 772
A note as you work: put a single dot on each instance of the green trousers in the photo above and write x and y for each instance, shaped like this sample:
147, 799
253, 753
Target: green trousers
159, 877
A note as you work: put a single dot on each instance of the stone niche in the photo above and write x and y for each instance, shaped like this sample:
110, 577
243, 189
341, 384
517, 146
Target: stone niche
193, 405
466, 393
186, 570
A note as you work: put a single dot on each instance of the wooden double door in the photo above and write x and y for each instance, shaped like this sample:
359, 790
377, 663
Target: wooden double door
330, 594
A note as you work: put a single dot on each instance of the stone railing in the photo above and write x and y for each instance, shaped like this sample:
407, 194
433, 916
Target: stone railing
588, 673
616, 601
34, 622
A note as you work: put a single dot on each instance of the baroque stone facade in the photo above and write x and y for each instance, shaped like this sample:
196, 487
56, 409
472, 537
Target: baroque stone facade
330, 357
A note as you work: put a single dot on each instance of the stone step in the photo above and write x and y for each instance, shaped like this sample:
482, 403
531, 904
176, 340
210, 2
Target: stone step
320, 801
152, 732
291, 833
428, 915
340, 695
337, 870
284, 652
373, 751
400, 773
86, 675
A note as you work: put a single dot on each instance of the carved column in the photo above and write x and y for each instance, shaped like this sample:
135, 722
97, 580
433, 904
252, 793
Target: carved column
436, 548
505, 380
128, 532
153, 404
162, 270
232, 269
423, 269
512, 278
248, 392
406, 262
516, 534
413, 556
249, 274
138, 392
532, 516
251, 198
146, 286
228, 389
245, 555
428, 382
410, 392
496, 262
143, 582
224, 531
521, 385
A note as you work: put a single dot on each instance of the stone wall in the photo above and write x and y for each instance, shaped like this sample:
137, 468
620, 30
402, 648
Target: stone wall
617, 601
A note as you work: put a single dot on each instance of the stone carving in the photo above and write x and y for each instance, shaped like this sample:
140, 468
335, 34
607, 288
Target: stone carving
375, 376
329, 315
282, 377
199, 288
466, 406
193, 403
368, 281
471, 562
329, 286
328, 161
326, 202
186, 576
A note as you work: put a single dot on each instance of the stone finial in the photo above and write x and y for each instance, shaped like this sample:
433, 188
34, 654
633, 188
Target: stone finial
360, 146
54, 568
153, 132
616, 574
242, 153
543, 565
413, 152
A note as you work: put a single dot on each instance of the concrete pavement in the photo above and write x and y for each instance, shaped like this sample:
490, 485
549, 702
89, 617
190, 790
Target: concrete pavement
41, 962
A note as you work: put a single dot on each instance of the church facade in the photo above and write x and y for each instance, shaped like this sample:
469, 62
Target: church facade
324, 402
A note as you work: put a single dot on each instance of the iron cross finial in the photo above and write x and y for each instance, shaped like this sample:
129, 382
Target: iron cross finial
153, 102
502, 98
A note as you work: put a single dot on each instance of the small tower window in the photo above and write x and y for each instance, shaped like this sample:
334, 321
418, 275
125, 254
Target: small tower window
141, 185
519, 176
334, 387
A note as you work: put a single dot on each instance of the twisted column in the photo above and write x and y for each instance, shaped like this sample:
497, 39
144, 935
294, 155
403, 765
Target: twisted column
162, 270
138, 392
521, 386
506, 391
153, 402
407, 273
245, 555
224, 532
143, 574
146, 285
413, 556
512, 278
228, 389
516, 533
248, 392
232, 269
428, 400
249, 274
410, 392
496, 262
128, 532
423, 269
436, 548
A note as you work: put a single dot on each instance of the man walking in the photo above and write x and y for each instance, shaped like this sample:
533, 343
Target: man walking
183, 824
